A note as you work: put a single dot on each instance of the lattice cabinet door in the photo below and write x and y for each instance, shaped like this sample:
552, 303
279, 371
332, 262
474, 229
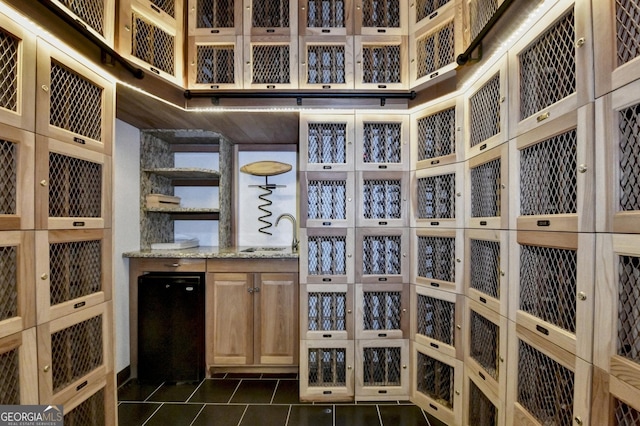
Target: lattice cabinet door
382, 311
17, 292
95, 406
387, 17
328, 199
381, 62
553, 171
486, 269
437, 256
98, 16
437, 384
271, 62
215, 17
215, 62
326, 62
482, 405
552, 288
434, 48
437, 197
486, 110
615, 402
479, 12
73, 189
382, 199
382, 142
487, 195
423, 12
616, 44
618, 161
327, 142
437, 134
326, 312
329, 254
382, 255
486, 346
270, 17
546, 384
326, 17
18, 72
74, 352
382, 370
151, 35
75, 104
617, 321
18, 368
327, 370
436, 320
73, 271
551, 67
17, 157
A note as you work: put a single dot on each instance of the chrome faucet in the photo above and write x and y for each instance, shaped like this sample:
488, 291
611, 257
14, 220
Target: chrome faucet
294, 242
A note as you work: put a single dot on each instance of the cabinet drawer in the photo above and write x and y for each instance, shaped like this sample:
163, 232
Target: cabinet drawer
169, 264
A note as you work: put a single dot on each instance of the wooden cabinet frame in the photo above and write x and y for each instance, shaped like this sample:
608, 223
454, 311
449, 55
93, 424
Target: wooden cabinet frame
364, 43
349, 199
251, 62
370, 203
382, 334
308, 392
108, 19
25, 343
195, 30
403, 253
436, 177
346, 119
214, 42
105, 384
291, 30
344, 42
346, 30
401, 29
417, 24
455, 286
608, 391
364, 118
381, 392
472, 379
23, 145
346, 334
309, 233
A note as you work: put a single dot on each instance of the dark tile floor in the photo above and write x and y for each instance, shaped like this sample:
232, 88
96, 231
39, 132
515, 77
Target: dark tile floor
253, 400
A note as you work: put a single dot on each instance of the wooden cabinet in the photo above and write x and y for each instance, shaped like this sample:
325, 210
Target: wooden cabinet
271, 62
327, 370
326, 62
98, 17
215, 17
437, 197
327, 142
17, 155
270, 17
215, 62
437, 260
487, 189
382, 370
374, 17
381, 62
19, 366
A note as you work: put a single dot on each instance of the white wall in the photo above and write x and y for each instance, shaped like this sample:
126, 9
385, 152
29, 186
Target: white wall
126, 224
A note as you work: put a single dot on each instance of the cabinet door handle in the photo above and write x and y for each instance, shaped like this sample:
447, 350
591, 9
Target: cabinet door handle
250, 289
256, 289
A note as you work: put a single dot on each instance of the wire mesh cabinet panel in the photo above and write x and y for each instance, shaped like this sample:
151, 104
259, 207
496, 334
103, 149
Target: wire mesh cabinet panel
329, 254
436, 198
96, 405
271, 62
74, 271
486, 268
551, 67
326, 312
618, 160
74, 352
436, 384
423, 12
75, 104
437, 259
98, 17
326, 17
436, 320
215, 17
487, 189
615, 402
382, 142
17, 292
482, 405
382, 311
437, 132
479, 14
18, 72
328, 199
270, 17
382, 199
327, 142
546, 384
485, 111
553, 170
382, 370
327, 370
382, 255
17, 157
215, 62
387, 17
552, 282
74, 186
616, 44
381, 62
18, 365
326, 62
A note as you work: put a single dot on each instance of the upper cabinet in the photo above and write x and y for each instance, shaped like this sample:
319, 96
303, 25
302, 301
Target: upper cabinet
270, 17
215, 17
326, 17
387, 17
98, 16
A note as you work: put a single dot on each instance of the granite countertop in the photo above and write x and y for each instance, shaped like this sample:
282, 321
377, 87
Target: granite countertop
214, 252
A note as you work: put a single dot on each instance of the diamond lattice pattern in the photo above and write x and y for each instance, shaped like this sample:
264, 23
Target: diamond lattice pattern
548, 279
327, 255
8, 176
215, 14
327, 367
548, 183
381, 255
485, 267
216, 64
90, 11
436, 258
75, 187
486, 189
153, 45
327, 311
484, 343
76, 351
381, 13
325, 64
437, 134
382, 310
381, 366
10, 373
270, 14
381, 199
435, 379
435, 50
626, 415
628, 343
76, 103
327, 199
75, 270
9, 46
381, 64
545, 387
382, 142
436, 197
327, 143
548, 68
435, 318
480, 12
425, 8
482, 412
484, 112
8, 282
629, 125
627, 30
270, 64
90, 412
326, 14
167, 6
